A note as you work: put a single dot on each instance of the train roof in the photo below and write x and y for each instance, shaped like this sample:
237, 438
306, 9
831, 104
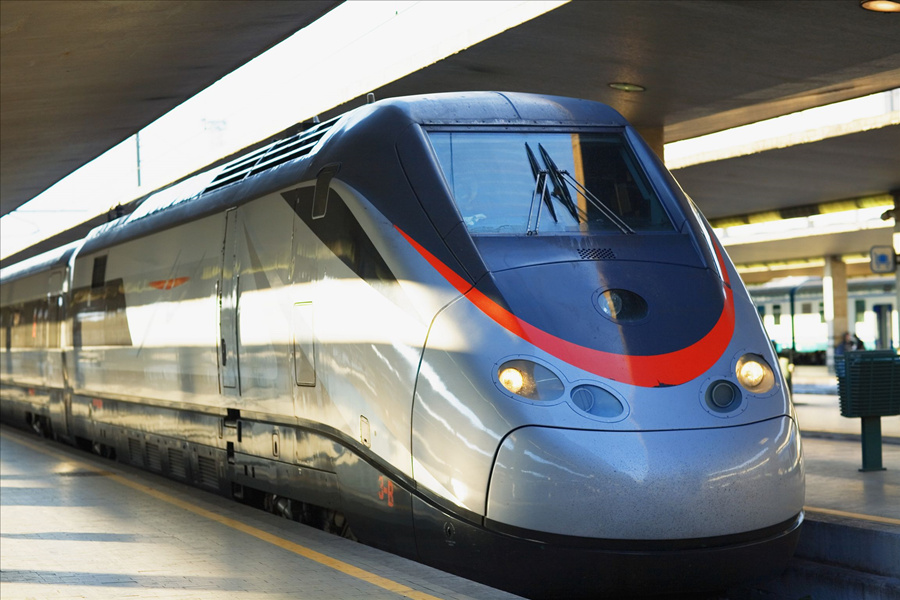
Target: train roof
504, 108
56, 258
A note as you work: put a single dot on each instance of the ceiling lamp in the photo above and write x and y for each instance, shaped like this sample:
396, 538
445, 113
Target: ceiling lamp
880, 5
627, 87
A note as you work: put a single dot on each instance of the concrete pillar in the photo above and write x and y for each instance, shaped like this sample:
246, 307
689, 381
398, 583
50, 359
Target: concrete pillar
834, 290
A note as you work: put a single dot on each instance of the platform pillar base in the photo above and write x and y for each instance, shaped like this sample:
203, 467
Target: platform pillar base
871, 444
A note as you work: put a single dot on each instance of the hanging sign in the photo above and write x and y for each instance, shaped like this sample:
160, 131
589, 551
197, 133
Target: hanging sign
882, 259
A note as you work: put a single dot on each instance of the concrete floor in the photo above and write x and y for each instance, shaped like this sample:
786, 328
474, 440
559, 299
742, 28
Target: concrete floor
75, 526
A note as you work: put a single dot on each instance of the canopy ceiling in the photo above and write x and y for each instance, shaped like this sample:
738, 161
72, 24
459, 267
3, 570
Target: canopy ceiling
78, 77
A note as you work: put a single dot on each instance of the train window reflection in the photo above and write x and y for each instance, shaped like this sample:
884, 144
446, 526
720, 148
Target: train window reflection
536, 183
29, 325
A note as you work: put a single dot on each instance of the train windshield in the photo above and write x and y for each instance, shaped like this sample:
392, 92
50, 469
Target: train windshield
528, 183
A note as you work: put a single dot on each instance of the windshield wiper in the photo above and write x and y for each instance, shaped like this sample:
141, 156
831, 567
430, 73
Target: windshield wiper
598, 204
537, 194
561, 192
540, 185
560, 189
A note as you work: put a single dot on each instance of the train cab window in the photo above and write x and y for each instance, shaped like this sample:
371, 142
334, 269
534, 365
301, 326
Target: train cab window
539, 182
98, 274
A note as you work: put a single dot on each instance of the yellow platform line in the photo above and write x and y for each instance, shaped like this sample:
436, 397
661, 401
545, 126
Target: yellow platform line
323, 559
850, 515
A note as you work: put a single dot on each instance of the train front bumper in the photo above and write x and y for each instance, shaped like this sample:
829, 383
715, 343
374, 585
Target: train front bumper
656, 485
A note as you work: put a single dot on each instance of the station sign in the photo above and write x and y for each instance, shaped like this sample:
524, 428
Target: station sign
882, 259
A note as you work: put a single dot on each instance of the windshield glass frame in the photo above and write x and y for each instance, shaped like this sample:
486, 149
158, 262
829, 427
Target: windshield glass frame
550, 196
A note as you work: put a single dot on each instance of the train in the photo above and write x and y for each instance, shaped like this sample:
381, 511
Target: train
871, 315
486, 331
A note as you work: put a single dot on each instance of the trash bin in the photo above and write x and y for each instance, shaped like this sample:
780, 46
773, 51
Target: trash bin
869, 388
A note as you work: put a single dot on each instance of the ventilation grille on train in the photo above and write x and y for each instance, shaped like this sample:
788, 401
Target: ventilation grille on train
274, 154
154, 459
208, 474
596, 254
135, 456
176, 463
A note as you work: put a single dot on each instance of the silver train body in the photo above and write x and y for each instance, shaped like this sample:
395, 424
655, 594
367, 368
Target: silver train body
486, 331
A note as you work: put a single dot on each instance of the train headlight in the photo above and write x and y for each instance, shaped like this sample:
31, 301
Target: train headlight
755, 374
512, 379
752, 374
529, 380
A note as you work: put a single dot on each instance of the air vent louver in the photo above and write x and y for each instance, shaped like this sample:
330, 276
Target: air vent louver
135, 455
274, 154
596, 254
177, 467
153, 458
208, 473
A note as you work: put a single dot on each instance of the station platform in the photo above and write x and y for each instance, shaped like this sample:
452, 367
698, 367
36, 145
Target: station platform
849, 547
817, 404
77, 526
73, 525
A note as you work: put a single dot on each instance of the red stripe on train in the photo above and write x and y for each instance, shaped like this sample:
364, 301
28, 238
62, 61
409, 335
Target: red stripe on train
671, 368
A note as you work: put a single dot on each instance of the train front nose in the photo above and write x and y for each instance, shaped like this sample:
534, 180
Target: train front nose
653, 485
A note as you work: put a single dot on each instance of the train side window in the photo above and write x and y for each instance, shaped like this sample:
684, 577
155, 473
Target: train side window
776, 314
761, 309
6, 328
54, 314
15, 333
98, 275
23, 326
860, 307
37, 325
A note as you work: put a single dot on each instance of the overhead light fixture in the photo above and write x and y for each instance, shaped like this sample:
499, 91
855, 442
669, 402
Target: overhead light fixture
880, 5
627, 87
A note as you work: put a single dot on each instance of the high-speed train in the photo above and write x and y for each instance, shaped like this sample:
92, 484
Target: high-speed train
487, 331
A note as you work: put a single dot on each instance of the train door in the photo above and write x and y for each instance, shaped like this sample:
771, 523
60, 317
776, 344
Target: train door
884, 325
61, 405
304, 272
229, 284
